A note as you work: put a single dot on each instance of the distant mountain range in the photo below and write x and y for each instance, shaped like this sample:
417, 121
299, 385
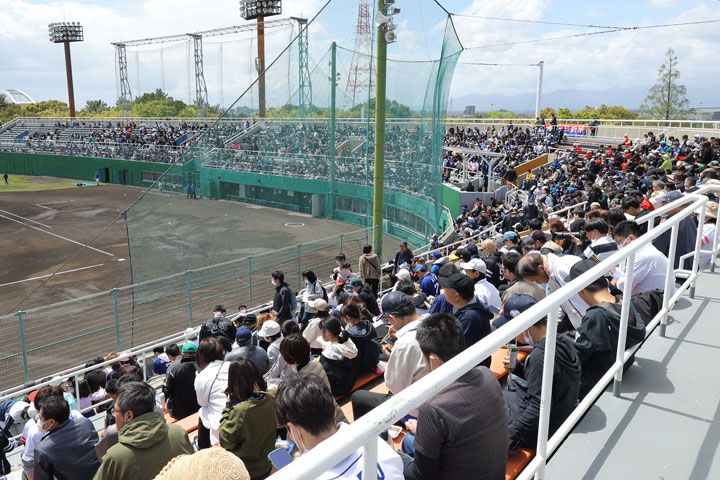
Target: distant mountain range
630, 98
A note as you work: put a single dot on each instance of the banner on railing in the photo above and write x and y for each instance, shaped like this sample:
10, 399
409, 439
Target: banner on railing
572, 129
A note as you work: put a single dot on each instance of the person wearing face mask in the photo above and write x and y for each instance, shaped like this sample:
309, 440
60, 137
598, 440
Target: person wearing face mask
523, 404
649, 267
284, 302
303, 394
462, 431
68, 448
598, 244
145, 442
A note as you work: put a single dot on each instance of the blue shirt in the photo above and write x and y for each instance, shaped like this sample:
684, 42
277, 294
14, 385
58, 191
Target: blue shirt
429, 285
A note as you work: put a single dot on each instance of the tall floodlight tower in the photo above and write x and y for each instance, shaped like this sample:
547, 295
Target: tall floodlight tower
362, 71
259, 9
304, 83
201, 96
66, 32
125, 92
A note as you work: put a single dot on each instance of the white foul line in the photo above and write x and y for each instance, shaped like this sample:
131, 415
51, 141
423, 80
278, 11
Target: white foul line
42, 205
51, 274
56, 235
26, 219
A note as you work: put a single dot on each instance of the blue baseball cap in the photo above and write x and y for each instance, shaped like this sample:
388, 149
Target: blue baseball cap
394, 301
420, 268
509, 235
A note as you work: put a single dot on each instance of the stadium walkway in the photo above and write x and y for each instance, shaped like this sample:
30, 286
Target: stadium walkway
666, 423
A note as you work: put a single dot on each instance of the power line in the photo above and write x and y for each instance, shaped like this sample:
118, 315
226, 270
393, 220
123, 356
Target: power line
586, 34
499, 64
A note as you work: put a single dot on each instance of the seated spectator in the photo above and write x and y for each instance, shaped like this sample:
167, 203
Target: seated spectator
245, 348
13, 416
512, 241
518, 285
493, 261
597, 337
405, 360
312, 333
338, 357
649, 266
366, 294
419, 299
270, 332
428, 281
179, 387
214, 463
109, 436
513, 307
296, 398
313, 291
523, 404
248, 425
219, 327
440, 303
465, 415
210, 385
161, 361
485, 292
362, 332
68, 448
96, 378
86, 398
473, 315
145, 442
173, 353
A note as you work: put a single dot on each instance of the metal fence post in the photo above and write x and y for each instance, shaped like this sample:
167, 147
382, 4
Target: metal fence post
624, 320
546, 395
299, 265
341, 242
117, 319
250, 302
189, 287
669, 278
22, 345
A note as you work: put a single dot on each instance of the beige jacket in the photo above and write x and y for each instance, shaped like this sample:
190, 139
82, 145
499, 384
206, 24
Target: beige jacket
369, 266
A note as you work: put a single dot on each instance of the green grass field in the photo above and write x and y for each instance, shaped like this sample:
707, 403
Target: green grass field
29, 183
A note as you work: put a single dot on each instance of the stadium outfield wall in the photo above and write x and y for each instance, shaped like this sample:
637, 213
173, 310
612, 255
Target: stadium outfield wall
406, 216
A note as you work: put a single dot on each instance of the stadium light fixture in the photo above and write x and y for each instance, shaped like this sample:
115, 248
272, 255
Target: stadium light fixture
66, 32
259, 9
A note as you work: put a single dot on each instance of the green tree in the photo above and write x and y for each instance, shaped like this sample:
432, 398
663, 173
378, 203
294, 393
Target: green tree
96, 106
667, 98
547, 112
564, 112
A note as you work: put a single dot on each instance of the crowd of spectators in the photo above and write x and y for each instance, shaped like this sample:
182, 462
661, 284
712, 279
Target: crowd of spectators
258, 382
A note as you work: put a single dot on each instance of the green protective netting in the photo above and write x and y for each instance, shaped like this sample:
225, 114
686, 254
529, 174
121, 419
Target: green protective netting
313, 152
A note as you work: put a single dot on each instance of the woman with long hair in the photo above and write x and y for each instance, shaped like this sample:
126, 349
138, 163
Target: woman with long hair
248, 425
338, 356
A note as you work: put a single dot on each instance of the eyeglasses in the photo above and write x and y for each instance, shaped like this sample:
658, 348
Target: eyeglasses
116, 410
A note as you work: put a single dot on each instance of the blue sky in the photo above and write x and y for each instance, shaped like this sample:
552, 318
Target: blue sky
628, 59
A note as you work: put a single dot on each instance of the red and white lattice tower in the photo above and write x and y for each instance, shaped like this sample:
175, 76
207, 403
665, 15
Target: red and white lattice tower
362, 69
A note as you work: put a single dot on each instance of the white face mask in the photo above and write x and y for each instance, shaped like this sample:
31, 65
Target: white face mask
40, 424
298, 441
272, 281
624, 244
307, 282
528, 339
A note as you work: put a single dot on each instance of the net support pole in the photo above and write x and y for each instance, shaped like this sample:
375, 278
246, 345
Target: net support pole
21, 328
189, 287
117, 319
379, 177
539, 89
333, 151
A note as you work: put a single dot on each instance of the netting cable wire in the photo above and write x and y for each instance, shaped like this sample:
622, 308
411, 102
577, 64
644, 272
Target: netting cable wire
541, 22
47, 279
586, 34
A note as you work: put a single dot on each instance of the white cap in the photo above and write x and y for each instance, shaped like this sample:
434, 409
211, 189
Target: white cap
475, 264
269, 329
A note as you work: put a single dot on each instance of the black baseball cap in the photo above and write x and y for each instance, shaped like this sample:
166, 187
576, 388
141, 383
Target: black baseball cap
458, 282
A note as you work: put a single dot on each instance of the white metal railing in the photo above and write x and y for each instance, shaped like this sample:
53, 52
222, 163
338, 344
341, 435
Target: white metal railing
363, 432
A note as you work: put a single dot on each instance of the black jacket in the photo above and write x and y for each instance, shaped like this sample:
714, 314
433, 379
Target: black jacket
475, 320
282, 303
494, 269
341, 374
68, 452
362, 334
597, 338
524, 405
179, 388
369, 299
218, 327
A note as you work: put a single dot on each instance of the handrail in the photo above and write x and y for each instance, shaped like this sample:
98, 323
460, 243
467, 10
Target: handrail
364, 431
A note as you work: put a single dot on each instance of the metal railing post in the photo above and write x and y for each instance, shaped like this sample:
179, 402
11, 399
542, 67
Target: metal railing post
144, 366
21, 327
117, 318
189, 287
698, 246
669, 279
370, 452
299, 266
546, 395
250, 285
713, 255
341, 242
624, 320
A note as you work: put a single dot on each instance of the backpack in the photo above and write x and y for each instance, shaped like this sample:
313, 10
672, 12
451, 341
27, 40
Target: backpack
325, 294
293, 299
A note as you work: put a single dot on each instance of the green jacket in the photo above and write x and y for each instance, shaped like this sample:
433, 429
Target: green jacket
145, 445
248, 430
